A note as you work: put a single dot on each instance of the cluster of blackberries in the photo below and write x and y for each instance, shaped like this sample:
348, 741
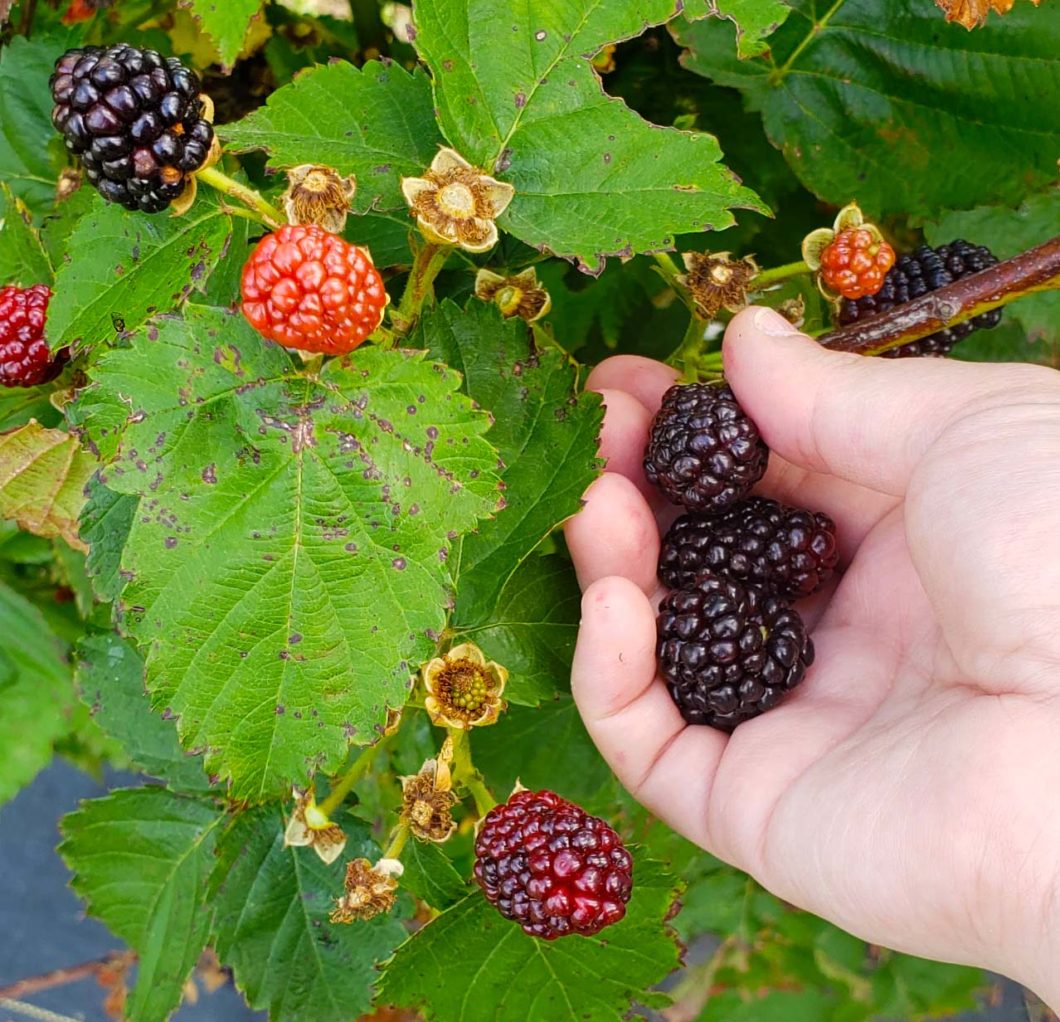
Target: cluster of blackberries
926, 269
136, 120
730, 646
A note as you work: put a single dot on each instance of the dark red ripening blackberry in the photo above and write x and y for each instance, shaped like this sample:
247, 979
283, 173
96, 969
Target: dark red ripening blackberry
135, 119
729, 652
788, 552
703, 450
926, 269
25, 359
551, 867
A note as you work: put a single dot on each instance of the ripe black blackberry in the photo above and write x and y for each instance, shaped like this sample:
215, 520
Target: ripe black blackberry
787, 551
551, 867
926, 269
729, 652
704, 452
136, 120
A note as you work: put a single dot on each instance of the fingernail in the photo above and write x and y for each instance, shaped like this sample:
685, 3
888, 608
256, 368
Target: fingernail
773, 323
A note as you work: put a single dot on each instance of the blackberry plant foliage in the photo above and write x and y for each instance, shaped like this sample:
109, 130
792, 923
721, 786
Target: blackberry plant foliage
294, 406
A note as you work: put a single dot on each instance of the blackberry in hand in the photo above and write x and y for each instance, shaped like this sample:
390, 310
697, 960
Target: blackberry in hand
729, 652
704, 452
787, 551
551, 867
136, 120
926, 269
25, 359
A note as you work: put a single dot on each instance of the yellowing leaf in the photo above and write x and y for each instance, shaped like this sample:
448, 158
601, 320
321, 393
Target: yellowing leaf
973, 13
43, 473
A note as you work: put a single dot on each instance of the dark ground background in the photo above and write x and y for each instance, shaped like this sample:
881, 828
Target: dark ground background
43, 927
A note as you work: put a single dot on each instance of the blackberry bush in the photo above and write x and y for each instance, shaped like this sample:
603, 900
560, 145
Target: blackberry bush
299, 303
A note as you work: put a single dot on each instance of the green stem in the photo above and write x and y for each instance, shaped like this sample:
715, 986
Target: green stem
815, 31
776, 274
668, 270
397, 842
428, 264
464, 771
216, 178
358, 769
687, 356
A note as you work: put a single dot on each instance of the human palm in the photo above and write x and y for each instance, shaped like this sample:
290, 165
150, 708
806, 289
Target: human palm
907, 790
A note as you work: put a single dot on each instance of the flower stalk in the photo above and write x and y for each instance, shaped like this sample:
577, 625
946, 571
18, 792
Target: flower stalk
268, 214
428, 263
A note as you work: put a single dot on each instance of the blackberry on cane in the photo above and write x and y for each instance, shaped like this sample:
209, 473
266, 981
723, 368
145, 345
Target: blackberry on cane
135, 119
704, 452
787, 551
924, 270
729, 652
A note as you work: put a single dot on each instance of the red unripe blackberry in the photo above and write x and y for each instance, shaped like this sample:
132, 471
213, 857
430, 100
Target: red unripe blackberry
787, 551
729, 652
926, 269
855, 262
704, 452
135, 119
308, 289
25, 359
551, 867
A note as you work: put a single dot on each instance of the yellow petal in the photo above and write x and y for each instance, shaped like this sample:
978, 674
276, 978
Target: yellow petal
447, 159
498, 194
413, 187
489, 239
446, 236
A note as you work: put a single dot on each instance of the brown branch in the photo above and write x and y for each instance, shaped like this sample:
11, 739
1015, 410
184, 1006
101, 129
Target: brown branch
60, 977
1027, 273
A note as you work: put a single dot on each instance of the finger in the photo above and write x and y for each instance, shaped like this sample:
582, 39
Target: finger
643, 378
623, 437
866, 420
615, 533
665, 764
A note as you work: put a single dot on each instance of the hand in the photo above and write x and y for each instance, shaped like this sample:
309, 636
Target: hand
908, 789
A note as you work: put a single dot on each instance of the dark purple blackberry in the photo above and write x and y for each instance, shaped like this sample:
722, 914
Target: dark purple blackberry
926, 269
703, 450
788, 552
729, 652
135, 119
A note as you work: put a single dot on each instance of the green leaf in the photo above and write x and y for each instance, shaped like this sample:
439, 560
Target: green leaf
516, 94
272, 929
121, 268
876, 102
110, 677
43, 473
545, 432
754, 20
141, 859
543, 747
430, 875
29, 163
23, 261
106, 520
531, 629
20, 405
375, 122
226, 23
312, 516
1006, 233
35, 694
574, 978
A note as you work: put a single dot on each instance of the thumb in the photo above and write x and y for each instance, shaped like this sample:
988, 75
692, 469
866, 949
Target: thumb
865, 420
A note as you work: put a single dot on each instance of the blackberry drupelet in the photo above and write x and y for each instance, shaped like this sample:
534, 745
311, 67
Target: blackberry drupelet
135, 119
25, 359
926, 269
704, 452
551, 867
787, 551
729, 652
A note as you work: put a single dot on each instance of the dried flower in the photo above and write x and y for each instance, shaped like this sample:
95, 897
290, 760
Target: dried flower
428, 800
370, 890
793, 310
318, 195
717, 281
463, 689
310, 826
517, 295
457, 204
68, 183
